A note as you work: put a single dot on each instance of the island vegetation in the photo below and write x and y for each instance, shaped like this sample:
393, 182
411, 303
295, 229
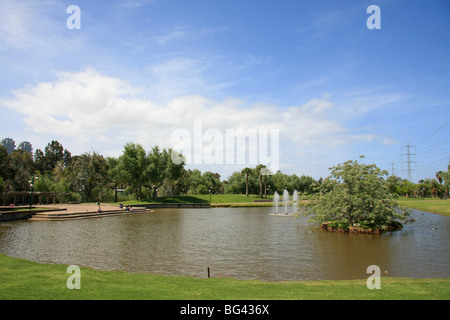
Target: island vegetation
355, 198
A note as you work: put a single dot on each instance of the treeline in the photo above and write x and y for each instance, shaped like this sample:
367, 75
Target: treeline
145, 175
141, 174
426, 188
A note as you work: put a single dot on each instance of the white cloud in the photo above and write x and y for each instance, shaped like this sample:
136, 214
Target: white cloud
96, 109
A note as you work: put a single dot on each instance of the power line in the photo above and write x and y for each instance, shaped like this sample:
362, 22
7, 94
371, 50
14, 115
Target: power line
435, 155
393, 169
435, 146
440, 128
434, 162
408, 154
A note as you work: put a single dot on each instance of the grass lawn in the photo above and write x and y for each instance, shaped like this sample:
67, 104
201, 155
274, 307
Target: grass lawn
216, 199
429, 205
26, 280
241, 200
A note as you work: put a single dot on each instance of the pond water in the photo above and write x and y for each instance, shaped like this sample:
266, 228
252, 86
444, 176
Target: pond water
244, 243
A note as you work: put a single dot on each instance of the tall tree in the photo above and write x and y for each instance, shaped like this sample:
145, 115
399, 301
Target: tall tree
135, 163
91, 173
156, 171
194, 181
162, 169
259, 171
116, 174
174, 170
4, 159
21, 169
246, 172
46, 162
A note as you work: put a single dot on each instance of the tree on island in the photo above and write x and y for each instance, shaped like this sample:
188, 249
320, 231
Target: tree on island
355, 197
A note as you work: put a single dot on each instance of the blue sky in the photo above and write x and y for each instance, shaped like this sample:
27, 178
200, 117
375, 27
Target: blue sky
138, 70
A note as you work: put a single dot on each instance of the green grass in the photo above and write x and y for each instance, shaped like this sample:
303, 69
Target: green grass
26, 280
429, 205
215, 199
241, 200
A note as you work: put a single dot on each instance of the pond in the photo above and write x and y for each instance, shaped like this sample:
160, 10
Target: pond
241, 243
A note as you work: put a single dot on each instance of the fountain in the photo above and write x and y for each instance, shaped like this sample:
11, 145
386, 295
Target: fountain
285, 197
276, 199
295, 200
285, 200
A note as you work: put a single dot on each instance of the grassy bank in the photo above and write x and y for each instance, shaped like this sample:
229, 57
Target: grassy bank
216, 200
24, 280
241, 200
429, 205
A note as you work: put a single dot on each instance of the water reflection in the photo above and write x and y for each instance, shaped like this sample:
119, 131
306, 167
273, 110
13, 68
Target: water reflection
244, 243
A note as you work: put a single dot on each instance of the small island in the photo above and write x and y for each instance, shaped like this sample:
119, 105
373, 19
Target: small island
355, 198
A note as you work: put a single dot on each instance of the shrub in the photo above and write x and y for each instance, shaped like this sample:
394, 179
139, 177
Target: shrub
355, 194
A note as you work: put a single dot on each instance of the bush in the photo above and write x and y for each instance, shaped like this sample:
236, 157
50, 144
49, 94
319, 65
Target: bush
354, 195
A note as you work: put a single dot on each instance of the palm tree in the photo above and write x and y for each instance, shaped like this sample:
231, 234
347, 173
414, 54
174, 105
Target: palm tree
246, 172
259, 172
434, 187
440, 176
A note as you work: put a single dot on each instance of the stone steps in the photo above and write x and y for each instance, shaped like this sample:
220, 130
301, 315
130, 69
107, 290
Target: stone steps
42, 216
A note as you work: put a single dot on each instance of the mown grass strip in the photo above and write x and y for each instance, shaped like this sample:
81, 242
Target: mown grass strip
25, 280
429, 205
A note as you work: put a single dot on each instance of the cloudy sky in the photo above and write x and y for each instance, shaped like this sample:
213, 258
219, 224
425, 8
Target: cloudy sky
140, 70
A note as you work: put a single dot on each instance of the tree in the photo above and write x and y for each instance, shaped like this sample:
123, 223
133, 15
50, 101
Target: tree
394, 185
2, 185
54, 153
259, 171
407, 188
116, 174
135, 163
246, 172
194, 181
173, 170
20, 168
305, 184
181, 185
446, 180
211, 182
235, 183
44, 184
4, 159
355, 194
435, 188
91, 171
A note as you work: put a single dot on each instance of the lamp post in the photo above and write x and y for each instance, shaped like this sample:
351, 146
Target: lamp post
210, 195
82, 193
31, 182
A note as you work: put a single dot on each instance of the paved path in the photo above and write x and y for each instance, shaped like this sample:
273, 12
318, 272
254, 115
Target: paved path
78, 208
80, 211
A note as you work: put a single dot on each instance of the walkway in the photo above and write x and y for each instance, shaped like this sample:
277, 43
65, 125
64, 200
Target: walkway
80, 211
